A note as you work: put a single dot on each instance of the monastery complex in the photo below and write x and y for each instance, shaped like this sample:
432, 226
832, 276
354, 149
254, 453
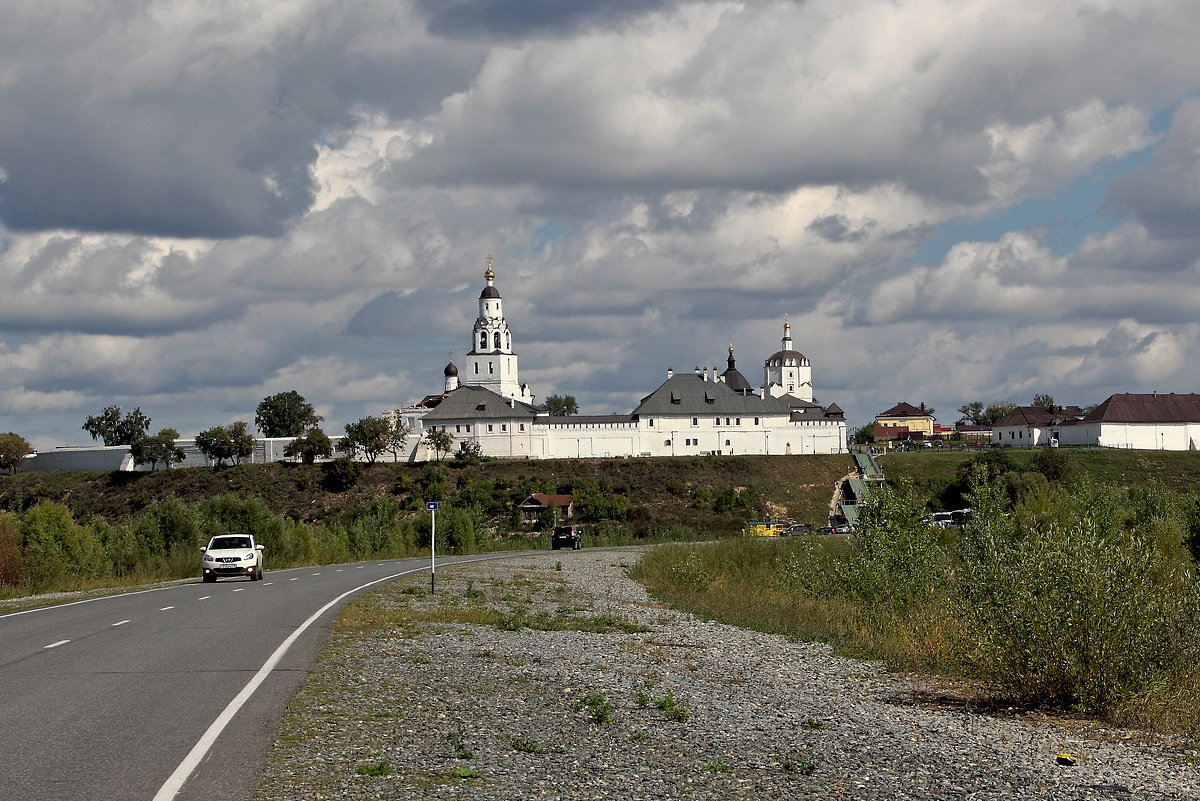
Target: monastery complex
689, 414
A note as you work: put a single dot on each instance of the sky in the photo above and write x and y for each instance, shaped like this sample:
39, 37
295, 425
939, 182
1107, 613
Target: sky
206, 202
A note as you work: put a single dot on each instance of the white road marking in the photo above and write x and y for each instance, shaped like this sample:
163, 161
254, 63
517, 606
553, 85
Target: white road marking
119, 623
203, 597
55, 644
339, 570
239, 589
316, 574
188, 766
165, 608
268, 584
293, 579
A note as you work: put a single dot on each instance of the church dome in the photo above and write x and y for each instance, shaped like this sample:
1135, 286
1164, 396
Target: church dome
786, 358
489, 292
450, 370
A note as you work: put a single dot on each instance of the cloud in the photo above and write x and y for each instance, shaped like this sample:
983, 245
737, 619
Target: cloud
201, 205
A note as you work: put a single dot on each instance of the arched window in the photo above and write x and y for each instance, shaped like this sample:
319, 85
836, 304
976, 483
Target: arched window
497, 340
483, 341
507, 341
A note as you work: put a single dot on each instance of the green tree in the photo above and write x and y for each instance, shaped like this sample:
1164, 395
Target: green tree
996, 411
440, 441
115, 428
865, 434
285, 414
367, 437
971, 413
13, 450
562, 405
312, 445
159, 448
1045, 401
226, 443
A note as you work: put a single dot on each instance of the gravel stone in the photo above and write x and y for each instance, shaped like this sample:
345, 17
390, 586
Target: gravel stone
667, 706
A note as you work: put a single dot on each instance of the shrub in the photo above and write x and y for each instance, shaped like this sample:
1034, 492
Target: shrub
341, 474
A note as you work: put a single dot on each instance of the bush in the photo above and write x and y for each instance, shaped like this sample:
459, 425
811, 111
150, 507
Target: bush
341, 474
56, 550
1070, 605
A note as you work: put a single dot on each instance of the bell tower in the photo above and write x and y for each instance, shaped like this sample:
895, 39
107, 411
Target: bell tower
491, 362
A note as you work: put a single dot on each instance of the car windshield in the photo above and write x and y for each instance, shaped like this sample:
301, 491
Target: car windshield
229, 543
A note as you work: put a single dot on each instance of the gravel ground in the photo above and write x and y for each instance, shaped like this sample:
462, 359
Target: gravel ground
417, 696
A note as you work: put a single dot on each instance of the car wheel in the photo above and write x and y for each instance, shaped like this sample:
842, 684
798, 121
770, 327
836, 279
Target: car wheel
254, 576
260, 573
209, 579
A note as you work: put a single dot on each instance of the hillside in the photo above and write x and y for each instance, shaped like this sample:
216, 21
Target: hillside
713, 493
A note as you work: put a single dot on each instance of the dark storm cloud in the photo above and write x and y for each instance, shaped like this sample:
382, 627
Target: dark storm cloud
162, 127
515, 18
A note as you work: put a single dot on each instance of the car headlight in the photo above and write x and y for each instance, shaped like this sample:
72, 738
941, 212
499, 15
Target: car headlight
208, 558
249, 557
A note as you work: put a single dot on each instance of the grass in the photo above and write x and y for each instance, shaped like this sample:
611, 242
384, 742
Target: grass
377, 769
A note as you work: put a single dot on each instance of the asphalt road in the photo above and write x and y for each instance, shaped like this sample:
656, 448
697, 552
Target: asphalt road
108, 698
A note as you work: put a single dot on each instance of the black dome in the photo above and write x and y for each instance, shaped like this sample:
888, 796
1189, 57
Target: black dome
450, 370
489, 292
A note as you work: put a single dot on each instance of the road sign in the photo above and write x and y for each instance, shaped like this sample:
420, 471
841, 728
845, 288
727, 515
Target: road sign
431, 506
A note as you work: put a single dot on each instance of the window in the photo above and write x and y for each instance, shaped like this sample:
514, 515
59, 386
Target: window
457, 429
652, 422
667, 443
489, 428
507, 340
737, 422
483, 341
476, 368
491, 369
695, 421
726, 421
496, 340
468, 428
726, 443
755, 421
504, 426
716, 421
522, 426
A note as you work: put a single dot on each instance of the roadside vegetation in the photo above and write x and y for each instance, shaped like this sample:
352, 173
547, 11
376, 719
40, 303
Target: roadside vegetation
1065, 592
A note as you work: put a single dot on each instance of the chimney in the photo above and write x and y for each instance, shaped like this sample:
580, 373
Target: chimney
697, 372
670, 373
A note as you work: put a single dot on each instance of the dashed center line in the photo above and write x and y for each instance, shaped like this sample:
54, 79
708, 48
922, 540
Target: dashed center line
119, 623
56, 644
239, 589
294, 579
165, 608
203, 597
316, 574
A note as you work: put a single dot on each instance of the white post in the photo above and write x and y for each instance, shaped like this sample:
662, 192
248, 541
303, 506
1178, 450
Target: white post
432, 506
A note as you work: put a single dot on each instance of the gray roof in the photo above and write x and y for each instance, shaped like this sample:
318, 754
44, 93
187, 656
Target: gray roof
692, 396
476, 403
1147, 408
489, 292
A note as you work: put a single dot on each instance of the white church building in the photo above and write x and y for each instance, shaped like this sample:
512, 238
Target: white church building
694, 413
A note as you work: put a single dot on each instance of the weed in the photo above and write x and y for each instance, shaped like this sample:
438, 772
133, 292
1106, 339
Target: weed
379, 769
718, 767
558, 566
460, 748
801, 767
598, 708
464, 773
471, 592
524, 745
812, 724
639, 737
419, 658
673, 708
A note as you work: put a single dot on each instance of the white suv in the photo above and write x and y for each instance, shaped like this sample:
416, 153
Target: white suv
232, 555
